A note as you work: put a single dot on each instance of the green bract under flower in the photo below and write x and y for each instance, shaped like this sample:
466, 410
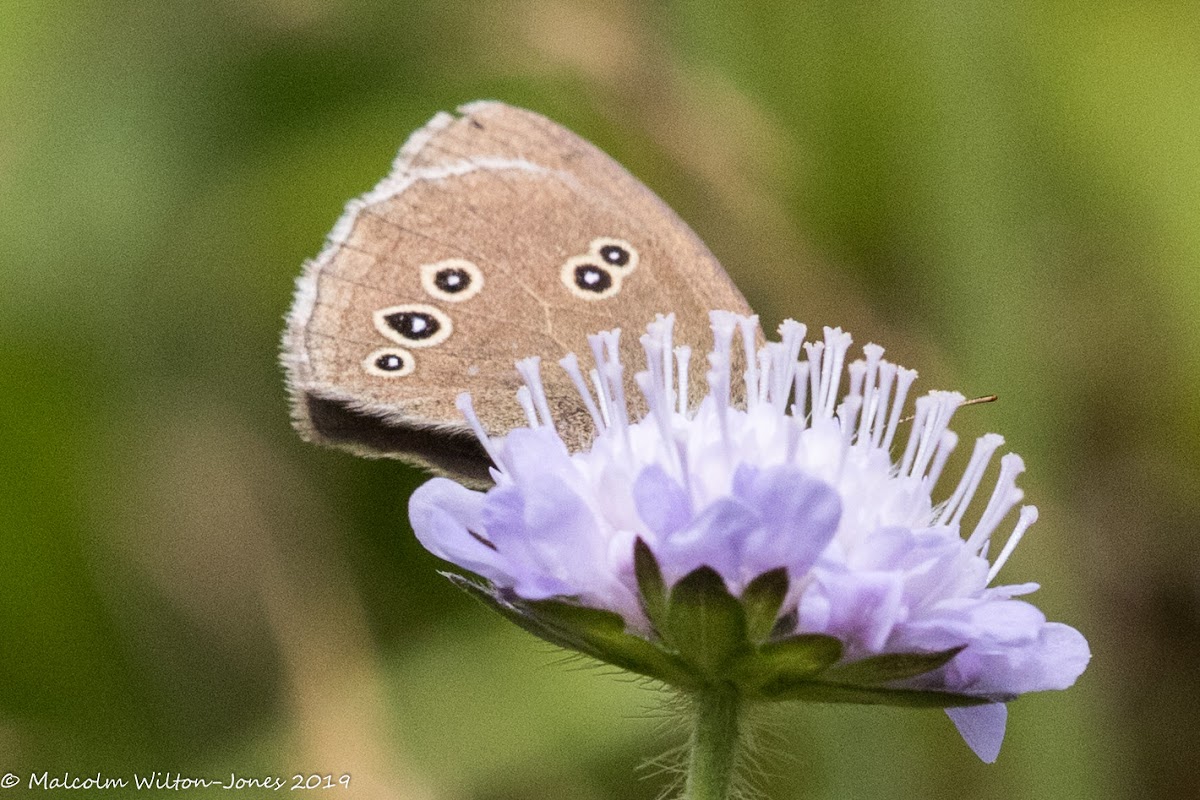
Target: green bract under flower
776, 548
704, 637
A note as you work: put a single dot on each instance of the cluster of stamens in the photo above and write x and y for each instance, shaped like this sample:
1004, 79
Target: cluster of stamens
801, 394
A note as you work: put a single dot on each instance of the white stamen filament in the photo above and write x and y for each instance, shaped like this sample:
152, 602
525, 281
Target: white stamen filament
596, 345
749, 328
946, 446
821, 397
904, 380
1004, 496
720, 359
781, 376
793, 432
718, 389
858, 374
652, 346
847, 413
944, 406
683, 357
463, 403
667, 328
837, 344
530, 370
914, 435
614, 372
800, 401
570, 365
656, 343
866, 424
954, 509
660, 409
791, 335
887, 375
1029, 515
602, 397
816, 352
764, 375
525, 398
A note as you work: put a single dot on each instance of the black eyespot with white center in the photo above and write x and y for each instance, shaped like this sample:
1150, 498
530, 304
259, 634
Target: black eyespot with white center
593, 278
414, 325
453, 280
615, 255
588, 278
390, 362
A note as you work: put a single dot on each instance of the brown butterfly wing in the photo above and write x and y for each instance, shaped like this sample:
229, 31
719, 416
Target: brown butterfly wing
526, 213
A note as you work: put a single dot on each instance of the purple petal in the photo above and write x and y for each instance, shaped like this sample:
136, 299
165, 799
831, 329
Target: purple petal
814, 610
661, 502
547, 536
560, 523
1054, 661
1012, 590
889, 548
799, 513
954, 572
444, 515
1065, 655
939, 632
864, 606
982, 728
990, 626
503, 514
713, 540
1007, 622
532, 452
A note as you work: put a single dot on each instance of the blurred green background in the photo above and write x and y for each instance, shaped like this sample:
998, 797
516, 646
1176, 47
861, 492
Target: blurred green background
1008, 195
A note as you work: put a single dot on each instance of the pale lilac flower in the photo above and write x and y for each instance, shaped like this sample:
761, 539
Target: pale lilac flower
800, 484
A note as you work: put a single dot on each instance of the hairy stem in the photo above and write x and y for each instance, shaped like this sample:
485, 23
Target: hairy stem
714, 745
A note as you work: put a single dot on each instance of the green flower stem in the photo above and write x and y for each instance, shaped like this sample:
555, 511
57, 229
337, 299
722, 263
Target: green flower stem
714, 745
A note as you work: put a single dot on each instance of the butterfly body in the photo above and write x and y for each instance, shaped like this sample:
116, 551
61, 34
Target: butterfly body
498, 235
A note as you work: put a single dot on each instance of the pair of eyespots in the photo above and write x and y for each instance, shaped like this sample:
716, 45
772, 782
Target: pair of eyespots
413, 325
418, 325
597, 274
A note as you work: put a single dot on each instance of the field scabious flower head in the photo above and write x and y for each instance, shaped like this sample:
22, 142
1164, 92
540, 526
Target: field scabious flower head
776, 548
